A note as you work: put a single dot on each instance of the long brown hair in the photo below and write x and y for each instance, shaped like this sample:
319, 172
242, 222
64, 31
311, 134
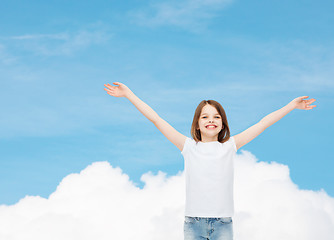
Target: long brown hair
224, 134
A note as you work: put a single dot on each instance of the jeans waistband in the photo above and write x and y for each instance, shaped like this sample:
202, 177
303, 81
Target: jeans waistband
214, 218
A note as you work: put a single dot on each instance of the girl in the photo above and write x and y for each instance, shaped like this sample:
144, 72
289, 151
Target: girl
209, 160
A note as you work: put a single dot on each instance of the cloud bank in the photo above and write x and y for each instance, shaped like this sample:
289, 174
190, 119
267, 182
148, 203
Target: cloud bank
101, 202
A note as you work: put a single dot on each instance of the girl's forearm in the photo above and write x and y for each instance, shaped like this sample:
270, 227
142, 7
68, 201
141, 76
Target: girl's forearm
146, 110
273, 117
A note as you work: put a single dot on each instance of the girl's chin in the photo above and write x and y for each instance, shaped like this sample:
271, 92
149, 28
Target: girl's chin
211, 131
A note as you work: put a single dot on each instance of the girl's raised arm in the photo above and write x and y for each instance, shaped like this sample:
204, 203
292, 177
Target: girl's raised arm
249, 134
121, 90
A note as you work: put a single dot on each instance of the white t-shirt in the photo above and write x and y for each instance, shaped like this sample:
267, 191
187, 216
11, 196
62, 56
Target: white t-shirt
209, 178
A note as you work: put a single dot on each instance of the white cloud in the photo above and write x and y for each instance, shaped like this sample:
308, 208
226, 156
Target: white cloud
60, 36
184, 13
63, 43
102, 203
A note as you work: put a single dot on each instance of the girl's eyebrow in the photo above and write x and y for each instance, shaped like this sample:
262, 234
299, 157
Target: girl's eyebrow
208, 114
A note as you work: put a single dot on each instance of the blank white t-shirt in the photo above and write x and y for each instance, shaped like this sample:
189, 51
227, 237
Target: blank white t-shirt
209, 172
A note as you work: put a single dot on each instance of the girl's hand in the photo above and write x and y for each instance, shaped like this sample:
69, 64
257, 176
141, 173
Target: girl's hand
121, 91
299, 103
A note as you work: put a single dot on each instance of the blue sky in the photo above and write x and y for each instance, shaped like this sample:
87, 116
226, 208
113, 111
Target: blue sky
252, 57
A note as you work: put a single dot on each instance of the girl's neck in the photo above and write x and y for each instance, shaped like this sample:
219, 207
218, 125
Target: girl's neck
209, 139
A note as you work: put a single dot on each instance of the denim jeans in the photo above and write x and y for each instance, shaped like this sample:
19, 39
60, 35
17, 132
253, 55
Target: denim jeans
198, 228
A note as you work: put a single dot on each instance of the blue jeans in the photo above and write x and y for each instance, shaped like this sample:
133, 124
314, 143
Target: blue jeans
198, 228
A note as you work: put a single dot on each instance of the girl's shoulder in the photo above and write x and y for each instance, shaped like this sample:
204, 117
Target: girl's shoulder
189, 143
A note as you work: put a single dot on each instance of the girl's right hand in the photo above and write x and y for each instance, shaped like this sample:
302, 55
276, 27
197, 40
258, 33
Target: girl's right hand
121, 91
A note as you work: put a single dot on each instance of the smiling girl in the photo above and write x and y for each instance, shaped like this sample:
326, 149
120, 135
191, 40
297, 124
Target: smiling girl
209, 160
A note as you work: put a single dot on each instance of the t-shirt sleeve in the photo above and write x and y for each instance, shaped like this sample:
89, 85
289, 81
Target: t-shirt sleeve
233, 144
186, 146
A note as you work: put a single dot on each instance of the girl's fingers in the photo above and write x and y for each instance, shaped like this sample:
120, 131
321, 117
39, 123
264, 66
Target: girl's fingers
110, 87
310, 107
108, 91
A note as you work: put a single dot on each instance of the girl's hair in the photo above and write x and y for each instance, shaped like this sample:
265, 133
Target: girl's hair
224, 134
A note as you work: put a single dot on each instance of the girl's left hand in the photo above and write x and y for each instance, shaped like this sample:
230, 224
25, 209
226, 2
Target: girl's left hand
299, 103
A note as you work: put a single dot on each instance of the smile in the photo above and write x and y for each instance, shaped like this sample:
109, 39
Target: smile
211, 126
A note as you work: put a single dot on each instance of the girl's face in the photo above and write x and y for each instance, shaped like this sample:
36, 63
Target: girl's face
210, 123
